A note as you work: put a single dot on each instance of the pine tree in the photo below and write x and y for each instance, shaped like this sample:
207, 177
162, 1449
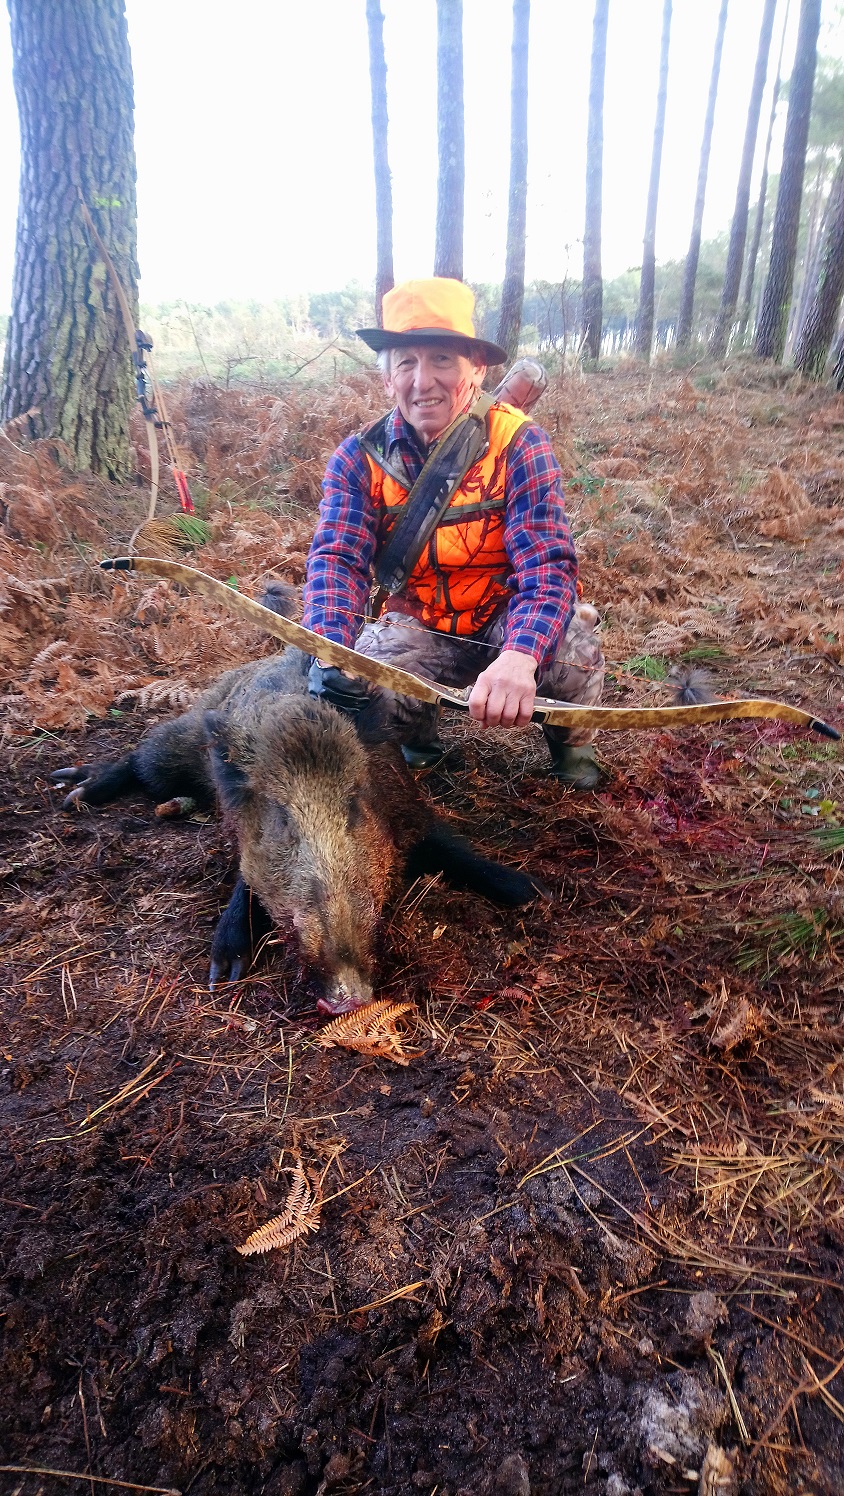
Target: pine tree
773, 318
513, 291
738, 227
819, 325
67, 357
383, 185
759, 220
593, 286
645, 318
448, 255
687, 297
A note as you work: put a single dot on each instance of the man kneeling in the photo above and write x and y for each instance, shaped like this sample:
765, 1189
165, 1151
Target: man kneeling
481, 585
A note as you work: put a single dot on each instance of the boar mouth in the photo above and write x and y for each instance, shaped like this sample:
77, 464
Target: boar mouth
345, 990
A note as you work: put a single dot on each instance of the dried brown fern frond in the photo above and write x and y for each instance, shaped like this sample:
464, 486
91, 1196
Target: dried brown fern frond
157, 694
701, 623
371, 1030
50, 655
666, 639
833, 1099
300, 1215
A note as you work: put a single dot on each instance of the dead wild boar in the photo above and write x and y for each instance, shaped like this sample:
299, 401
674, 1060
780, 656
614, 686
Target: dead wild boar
325, 826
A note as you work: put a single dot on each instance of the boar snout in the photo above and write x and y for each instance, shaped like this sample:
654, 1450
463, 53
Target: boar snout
337, 930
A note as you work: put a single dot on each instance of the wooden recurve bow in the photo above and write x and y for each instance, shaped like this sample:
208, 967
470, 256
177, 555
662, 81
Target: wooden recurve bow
553, 713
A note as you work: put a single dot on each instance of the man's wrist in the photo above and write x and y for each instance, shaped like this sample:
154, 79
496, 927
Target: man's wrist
524, 651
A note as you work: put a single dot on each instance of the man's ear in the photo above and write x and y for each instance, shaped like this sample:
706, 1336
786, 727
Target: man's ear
478, 372
230, 752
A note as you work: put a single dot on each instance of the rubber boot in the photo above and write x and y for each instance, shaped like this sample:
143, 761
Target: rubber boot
423, 757
577, 767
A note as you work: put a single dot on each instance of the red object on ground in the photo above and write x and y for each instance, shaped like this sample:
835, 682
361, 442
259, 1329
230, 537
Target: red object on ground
183, 491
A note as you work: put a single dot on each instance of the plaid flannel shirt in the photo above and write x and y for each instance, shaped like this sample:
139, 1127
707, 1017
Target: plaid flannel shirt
536, 537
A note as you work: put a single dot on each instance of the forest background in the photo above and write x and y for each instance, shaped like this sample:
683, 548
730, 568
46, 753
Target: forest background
256, 202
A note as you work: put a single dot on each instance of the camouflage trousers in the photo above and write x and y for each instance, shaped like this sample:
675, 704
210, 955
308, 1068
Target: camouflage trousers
576, 673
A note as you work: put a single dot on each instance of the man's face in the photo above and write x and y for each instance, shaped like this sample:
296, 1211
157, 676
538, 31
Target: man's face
431, 384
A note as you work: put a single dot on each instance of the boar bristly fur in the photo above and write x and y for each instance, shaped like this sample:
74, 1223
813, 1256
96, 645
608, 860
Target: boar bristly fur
324, 824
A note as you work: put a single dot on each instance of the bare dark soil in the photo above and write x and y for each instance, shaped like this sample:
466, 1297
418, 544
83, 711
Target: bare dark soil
595, 1226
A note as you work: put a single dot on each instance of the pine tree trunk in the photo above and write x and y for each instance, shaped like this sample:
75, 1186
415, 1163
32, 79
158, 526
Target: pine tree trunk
838, 363
383, 185
759, 221
738, 227
513, 293
645, 319
593, 285
687, 296
807, 275
773, 318
821, 320
66, 353
448, 256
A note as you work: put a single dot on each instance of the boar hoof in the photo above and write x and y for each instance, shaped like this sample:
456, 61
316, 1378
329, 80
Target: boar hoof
73, 774
227, 971
241, 925
76, 774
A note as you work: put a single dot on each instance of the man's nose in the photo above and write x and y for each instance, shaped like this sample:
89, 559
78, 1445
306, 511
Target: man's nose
424, 376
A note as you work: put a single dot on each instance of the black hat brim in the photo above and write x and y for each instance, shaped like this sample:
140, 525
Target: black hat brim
377, 338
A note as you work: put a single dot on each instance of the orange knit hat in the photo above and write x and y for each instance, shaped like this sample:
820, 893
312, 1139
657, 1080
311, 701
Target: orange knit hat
438, 310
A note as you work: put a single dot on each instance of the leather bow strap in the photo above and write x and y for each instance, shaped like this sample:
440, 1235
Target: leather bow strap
554, 713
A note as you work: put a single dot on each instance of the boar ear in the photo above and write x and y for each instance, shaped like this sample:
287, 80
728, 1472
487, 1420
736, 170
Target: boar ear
230, 756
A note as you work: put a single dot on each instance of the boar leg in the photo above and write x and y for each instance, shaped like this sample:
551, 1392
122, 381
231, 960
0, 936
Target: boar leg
440, 851
97, 784
241, 925
169, 761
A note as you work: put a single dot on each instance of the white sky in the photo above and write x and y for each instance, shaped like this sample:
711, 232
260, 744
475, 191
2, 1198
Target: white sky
254, 146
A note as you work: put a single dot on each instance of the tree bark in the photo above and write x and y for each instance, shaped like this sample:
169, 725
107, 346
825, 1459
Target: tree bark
773, 318
513, 292
645, 318
806, 277
821, 319
759, 221
383, 185
838, 363
687, 295
738, 227
66, 353
448, 257
593, 285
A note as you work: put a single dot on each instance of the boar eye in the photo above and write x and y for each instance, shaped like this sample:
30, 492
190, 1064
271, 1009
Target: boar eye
282, 819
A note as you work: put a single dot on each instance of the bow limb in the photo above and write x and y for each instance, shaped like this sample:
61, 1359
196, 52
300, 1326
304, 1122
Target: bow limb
554, 713
152, 442
282, 628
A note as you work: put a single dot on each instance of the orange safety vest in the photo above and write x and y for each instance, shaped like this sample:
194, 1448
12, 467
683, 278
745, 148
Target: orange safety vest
458, 583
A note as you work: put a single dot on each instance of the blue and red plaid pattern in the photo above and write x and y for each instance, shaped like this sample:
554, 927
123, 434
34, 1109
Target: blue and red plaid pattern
537, 539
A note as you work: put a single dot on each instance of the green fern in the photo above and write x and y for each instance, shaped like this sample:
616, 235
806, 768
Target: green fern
829, 838
652, 667
809, 936
197, 530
